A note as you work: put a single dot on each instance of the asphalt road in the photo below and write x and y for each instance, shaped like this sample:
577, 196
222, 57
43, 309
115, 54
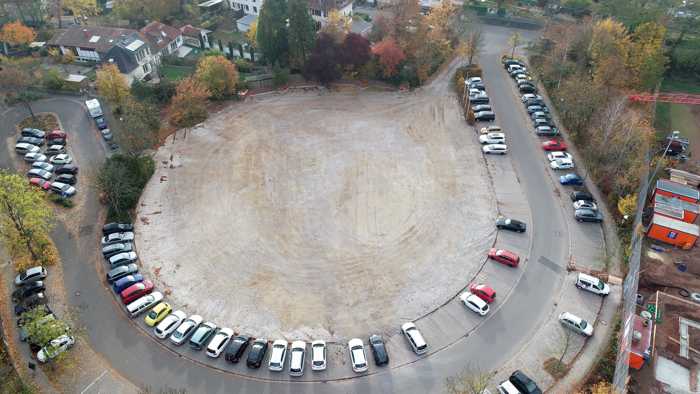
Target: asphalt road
145, 362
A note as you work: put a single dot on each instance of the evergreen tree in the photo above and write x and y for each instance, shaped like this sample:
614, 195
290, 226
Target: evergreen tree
302, 33
272, 31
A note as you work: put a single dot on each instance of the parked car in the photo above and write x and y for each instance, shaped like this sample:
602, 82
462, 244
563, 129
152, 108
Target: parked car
541, 122
318, 355
504, 223
546, 131
106, 134
135, 291
490, 129
588, 215
477, 85
24, 148
474, 79
218, 342
531, 109
127, 281
571, 179
61, 158
236, 347
68, 179
492, 138
485, 116
31, 275
530, 96
139, 306
202, 335
39, 173
29, 132
54, 150
31, 140
561, 164
580, 195
42, 165
523, 383
474, 303
534, 101
559, 155
66, 169
30, 302
592, 284
101, 122
495, 149
119, 272
504, 257
56, 141
122, 259
185, 329
358, 357
277, 355
554, 145
376, 343
31, 157
527, 89
25, 291
297, 354
117, 248
478, 99
111, 228
541, 115
117, 237
481, 107
57, 134
575, 323
506, 387
157, 313
483, 291
523, 84
55, 347
169, 324
256, 354
414, 338
24, 334
43, 184
583, 204
63, 189
522, 77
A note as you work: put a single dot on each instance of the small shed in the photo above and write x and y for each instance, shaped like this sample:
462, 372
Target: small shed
76, 81
245, 22
676, 208
673, 231
678, 190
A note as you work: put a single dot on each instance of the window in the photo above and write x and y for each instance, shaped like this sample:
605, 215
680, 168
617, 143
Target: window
255, 9
672, 234
247, 8
145, 68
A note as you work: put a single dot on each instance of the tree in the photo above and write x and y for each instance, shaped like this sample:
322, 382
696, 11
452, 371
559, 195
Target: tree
251, 35
53, 80
140, 11
272, 32
473, 45
302, 33
337, 26
355, 51
218, 75
140, 127
16, 33
40, 331
25, 219
188, 106
635, 12
381, 27
121, 180
323, 64
80, 7
627, 205
514, 42
390, 56
577, 8
646, 59
608, 51
112, 85
472, 380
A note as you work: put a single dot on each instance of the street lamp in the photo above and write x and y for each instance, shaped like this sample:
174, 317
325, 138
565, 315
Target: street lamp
675, 134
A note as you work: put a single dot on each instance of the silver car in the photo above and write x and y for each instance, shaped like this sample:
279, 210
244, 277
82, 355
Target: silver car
122, 258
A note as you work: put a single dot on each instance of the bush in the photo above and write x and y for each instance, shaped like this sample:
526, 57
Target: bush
121, 181
244, 65
159, 93
65, 202
280, 76
52, 80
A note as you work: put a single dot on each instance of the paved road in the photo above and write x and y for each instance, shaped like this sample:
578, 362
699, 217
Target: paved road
147, 363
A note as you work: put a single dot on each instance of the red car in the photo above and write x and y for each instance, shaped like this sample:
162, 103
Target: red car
504, 257
38, 182
554, 145
484, 292
137, 290
57, 134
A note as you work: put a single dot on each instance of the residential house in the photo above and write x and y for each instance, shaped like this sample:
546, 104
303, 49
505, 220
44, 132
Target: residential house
321, 9
126, 48
164, 40
245, 22
195, 37
249, 7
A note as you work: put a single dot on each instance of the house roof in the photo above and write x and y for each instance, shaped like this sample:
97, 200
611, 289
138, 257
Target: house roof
159, 35
191, 31
678, 189
329, 5
247, 20
677, 203
674, 224
101, 39
123, 53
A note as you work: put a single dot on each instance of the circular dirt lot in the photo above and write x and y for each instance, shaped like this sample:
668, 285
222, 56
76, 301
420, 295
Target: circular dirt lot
318, 215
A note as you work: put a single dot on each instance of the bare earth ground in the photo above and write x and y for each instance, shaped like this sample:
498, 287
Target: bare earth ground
318, 215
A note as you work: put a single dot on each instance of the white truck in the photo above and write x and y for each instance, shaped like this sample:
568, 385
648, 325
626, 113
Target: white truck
94, 108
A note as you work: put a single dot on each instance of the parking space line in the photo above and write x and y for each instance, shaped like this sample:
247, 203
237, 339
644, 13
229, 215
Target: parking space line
93, 382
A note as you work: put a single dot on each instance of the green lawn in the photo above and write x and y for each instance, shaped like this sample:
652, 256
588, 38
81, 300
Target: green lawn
175, 73
677, 116
679, 85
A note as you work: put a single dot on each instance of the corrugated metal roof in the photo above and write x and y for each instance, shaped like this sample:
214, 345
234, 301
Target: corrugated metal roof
677, 203
674, 224
677, 188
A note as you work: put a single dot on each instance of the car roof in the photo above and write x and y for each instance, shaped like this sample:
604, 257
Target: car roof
581, 275
571, 316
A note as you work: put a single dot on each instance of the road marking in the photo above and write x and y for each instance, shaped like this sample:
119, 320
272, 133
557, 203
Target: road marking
93, 382
550, 264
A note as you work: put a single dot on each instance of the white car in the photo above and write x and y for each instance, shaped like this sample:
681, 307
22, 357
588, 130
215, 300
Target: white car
23, 148
559, 155
492, 138
35, 156
358, 358
186, 329
169, 324
575, 323
529, 96
219, 342
318, 355
506, 387
474, 92
297, 354
474, 79
583, 204
561, 164
55, 347
473, 302
592, 284
490, 129
117, 237
277, 355
414, 338
495, 149
62, 158
63, 189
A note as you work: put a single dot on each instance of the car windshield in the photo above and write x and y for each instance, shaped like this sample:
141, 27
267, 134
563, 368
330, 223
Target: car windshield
152, 314
358, 356
599, 285
317, 354
583, 324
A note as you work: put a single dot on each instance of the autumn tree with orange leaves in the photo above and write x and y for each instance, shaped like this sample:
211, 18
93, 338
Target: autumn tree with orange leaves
218, 75
390, 56
16, 33
189, 105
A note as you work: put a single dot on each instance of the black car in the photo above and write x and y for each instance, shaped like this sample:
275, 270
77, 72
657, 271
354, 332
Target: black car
534, 101
30, 302
55, 150
546, 131
531, 109
31, 140
257, 353
101, 122
510, 224
478, 99
526, 83
36, 133
66, 178
114, 249
485, 116
236, 347
523, 383
527, 89
110, 228
66, 169
27, 290
481, 107
477, 85
121, 271
588, 215
56, 141
381, 357
578, 196
509, 62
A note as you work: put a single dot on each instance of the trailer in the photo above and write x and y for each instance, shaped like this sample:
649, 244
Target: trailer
94, 108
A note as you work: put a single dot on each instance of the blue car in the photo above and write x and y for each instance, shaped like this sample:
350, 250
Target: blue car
571, 179
126, 281
101, 122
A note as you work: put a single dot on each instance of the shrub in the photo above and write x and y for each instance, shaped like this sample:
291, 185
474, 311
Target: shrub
121, 181
244, 65
52, 80
159, 93
280, 76
65, 202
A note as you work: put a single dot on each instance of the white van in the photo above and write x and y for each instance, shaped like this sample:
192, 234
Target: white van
143, 303
592, 284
